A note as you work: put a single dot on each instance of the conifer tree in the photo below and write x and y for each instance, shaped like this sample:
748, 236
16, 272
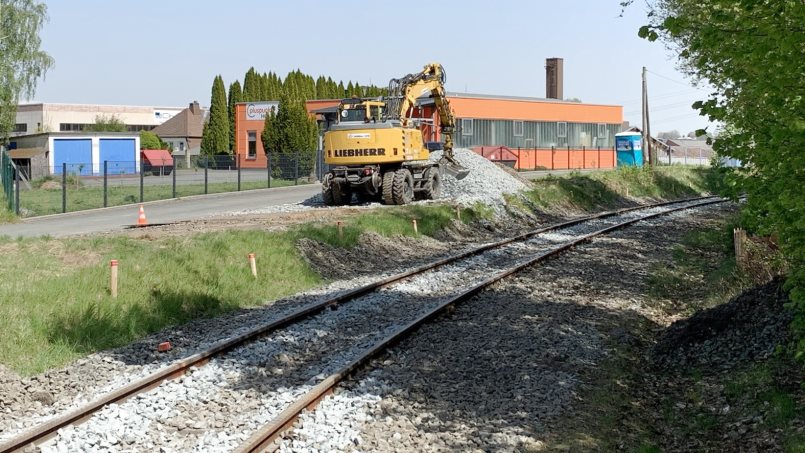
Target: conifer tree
250, 88
215, 138
235, 96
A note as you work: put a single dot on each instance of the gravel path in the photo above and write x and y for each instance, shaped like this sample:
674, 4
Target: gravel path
494, 374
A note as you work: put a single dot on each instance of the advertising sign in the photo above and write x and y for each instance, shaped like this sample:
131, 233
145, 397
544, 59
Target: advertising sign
258, 110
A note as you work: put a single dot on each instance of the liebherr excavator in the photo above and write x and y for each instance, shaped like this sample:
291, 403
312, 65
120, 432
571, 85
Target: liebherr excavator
377, 150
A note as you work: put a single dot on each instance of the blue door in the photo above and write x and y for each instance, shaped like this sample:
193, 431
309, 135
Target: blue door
120, 154
76, 153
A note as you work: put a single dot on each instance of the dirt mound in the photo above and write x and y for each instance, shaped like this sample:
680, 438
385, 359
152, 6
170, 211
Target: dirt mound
373, 255
744, 329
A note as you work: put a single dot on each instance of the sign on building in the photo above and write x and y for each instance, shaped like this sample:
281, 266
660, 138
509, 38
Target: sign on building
258, 110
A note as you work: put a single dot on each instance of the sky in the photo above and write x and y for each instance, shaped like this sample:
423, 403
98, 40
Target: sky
166, 53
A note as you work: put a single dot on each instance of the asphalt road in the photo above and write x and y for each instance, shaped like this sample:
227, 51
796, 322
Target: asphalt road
168, 211
165, 211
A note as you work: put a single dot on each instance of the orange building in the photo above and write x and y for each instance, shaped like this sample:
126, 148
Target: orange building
534, 133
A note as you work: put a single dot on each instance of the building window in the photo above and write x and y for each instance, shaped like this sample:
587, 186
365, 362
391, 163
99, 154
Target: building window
518, 128
252, 145
138, 127
466, 126
73, 127
602, 131
20, 127
561, 129
181, 147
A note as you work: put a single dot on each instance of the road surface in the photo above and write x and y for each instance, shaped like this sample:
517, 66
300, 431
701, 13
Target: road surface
164, 211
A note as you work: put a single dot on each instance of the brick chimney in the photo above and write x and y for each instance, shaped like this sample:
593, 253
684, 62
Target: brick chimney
194, 108
554, 75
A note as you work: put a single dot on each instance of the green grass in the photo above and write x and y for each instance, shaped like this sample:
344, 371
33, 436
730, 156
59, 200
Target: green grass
394, 221
38, 202
55, 301
591, 191
56, 306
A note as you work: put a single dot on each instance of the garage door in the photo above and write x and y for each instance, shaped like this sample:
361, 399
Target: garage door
120, 154
76, 153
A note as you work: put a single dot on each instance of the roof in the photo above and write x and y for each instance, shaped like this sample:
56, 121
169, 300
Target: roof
184, 124
157, 156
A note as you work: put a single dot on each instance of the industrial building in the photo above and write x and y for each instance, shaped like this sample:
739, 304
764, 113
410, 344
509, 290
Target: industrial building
47, 117
525, 132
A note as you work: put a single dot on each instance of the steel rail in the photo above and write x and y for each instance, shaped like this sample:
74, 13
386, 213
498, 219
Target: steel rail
262, 439
180, 367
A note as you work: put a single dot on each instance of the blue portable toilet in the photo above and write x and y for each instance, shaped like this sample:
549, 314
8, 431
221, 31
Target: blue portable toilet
629, 149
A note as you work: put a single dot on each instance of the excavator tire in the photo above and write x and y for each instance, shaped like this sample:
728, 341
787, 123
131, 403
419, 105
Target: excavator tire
341, 193
403, 187
388, 184
432, 189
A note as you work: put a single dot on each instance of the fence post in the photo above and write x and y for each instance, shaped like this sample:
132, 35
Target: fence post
238, 163
553, 154
296, 170
64, 187
142, 180
105, 183
17, 190
205, 176
173, 180
583, 156
268, 169
568, 157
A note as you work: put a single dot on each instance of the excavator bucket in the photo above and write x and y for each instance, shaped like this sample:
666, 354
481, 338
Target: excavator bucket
453, 168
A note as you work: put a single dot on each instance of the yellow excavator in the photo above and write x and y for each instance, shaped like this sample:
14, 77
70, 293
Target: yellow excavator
376, 149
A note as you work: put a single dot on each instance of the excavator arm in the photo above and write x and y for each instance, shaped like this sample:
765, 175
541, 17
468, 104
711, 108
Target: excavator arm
401, 101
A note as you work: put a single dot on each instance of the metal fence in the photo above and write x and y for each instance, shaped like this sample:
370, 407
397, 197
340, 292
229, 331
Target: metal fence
82, 185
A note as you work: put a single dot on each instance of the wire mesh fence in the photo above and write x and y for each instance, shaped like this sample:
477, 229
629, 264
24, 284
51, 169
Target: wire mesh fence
78, 186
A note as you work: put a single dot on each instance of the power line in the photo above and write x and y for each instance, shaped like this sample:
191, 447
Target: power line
675, 81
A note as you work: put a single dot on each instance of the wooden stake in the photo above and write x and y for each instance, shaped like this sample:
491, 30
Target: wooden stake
739, 239
340, 229
416, 231
113, 278
458, 213
253, 264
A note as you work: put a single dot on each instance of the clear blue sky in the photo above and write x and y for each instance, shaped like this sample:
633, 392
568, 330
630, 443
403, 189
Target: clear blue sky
167, 52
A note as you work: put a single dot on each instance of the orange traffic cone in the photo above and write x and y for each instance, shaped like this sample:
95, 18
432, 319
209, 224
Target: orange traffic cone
141, 218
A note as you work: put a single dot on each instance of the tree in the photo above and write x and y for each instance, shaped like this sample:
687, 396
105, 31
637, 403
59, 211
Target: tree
104, 123
235, 96
751, 52
22, 63
215, 137
150, 140
292, 131
669, 135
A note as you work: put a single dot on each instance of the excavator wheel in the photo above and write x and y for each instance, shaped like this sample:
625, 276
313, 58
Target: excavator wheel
403, 187
432, 189
388, 184
341, 193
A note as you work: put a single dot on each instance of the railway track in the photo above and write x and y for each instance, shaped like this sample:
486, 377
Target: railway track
255, 385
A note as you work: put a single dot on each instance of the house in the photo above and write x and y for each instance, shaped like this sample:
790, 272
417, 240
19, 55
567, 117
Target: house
183, 133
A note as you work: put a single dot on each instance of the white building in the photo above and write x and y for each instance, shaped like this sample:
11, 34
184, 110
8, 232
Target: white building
44, 117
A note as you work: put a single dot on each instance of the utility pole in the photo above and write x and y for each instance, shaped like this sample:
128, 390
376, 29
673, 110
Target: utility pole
647, 154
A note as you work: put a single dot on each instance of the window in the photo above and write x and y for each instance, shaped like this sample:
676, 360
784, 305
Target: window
138, 127
602, 130
466, 126
518, 128
20, 127
181, 147
561, 129
252, 145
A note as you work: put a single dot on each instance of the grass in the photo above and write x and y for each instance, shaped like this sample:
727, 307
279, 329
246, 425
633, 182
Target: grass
38, 202
55, 301
702, 272
591, 191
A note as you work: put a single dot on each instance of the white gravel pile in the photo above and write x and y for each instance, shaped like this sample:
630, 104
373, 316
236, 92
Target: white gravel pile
486, 183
